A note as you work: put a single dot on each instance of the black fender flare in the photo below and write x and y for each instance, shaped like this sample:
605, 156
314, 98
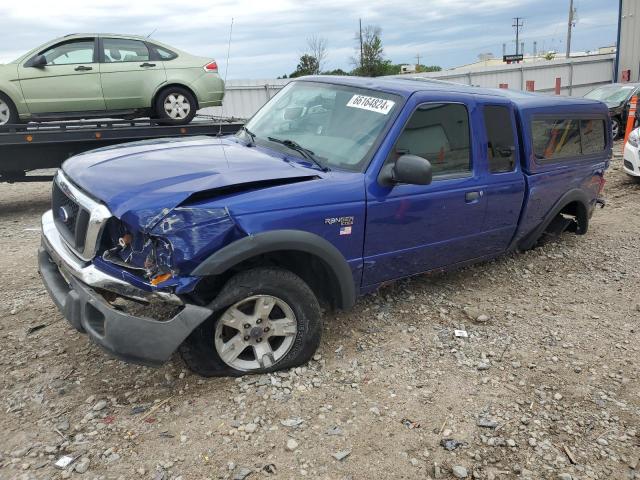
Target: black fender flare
283, 240
575, 195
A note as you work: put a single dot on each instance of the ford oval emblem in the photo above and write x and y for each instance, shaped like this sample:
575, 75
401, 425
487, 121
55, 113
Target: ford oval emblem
63, 214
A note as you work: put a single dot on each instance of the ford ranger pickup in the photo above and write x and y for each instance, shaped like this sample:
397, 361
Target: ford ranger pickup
224, 249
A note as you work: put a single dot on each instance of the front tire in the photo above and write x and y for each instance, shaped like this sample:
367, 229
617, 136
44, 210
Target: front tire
8, 111
175, 106
268, 320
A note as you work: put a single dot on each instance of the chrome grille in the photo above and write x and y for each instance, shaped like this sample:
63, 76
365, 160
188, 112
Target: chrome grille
79, 219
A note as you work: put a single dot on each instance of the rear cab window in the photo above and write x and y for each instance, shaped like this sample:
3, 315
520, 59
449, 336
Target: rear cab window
567, 138
501, 148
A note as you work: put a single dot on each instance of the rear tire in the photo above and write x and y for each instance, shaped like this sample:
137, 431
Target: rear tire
293, 326
616, 128
8, 111
175, 106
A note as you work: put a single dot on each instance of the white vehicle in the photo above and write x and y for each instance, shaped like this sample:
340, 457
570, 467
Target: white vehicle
632, 155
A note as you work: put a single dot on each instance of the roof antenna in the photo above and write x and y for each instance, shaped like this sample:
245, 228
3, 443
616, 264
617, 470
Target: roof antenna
152, 32
226, 71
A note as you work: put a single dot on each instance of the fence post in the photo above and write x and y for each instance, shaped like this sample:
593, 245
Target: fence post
558, 85
530, 86
631, 120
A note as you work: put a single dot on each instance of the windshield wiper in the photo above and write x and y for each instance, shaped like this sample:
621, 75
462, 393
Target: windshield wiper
251, 135
305, 152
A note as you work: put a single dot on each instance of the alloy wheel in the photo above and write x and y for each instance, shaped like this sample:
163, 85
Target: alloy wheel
5, 113
177, 106
615, 127
256, 332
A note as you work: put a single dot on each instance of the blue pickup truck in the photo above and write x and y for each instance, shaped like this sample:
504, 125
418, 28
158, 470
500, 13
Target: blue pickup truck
226, 248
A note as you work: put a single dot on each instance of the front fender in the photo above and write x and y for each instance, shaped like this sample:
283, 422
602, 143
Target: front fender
10, 86
284, 240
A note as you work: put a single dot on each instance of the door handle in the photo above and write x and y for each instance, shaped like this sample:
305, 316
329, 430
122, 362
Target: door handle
473, 197
145, 64
82, 68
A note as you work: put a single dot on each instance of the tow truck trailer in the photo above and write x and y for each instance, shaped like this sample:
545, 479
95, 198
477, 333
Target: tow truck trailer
35, 146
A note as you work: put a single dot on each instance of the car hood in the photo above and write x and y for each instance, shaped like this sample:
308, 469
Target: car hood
141, 182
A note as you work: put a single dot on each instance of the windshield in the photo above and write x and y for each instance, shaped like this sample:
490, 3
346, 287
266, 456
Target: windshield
612, 94
339, 125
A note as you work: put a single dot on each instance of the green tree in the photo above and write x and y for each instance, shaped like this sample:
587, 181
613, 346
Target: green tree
369, 59
428, 68
308, 65
337, 71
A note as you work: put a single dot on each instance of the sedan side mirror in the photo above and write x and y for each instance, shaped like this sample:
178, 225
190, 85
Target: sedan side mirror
39, 61
410, 169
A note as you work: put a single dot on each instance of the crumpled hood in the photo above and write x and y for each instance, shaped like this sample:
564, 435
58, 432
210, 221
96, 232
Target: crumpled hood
141, 182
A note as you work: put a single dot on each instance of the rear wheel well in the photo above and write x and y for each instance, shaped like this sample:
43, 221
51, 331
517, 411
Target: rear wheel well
573, 217
315, 272
165, 87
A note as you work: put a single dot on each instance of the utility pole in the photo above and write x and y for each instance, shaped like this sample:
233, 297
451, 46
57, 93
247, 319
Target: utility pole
518, 24
361, 55
569, 27
418, 60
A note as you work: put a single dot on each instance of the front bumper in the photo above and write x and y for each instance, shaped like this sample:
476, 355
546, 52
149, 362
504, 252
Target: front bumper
631, 160
74, 288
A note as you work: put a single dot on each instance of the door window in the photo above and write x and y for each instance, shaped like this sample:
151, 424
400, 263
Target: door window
501, 151
70, 53
438, 132
123, 50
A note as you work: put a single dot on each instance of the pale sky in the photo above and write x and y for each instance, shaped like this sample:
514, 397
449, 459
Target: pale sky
269, 36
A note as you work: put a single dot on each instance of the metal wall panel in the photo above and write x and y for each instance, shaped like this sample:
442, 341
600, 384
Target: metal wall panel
578, 75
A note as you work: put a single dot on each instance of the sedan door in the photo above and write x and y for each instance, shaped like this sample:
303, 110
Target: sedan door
129, 75
69, 82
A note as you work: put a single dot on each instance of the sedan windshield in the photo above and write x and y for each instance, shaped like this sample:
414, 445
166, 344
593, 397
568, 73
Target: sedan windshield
611, 94
333, 126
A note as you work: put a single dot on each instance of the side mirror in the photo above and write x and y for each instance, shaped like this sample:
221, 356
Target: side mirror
409, 169
39, 61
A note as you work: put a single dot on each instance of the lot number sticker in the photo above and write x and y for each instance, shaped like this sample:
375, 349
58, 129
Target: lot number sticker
372, 104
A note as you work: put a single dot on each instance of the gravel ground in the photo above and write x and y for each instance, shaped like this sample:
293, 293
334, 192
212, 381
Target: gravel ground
546, 386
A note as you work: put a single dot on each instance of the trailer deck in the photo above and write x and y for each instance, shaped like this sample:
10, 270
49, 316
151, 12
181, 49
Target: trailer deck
35, 146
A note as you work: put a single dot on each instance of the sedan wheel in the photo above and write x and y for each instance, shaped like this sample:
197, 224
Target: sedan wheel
255, 333
5, 112
177, 106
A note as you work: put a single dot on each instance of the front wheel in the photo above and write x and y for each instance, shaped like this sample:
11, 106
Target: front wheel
175, 106
269, 320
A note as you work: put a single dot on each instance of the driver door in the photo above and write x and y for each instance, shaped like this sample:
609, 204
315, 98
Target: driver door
69, 82
417, 228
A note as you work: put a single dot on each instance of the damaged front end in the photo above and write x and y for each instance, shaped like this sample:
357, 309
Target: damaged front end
169, 247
